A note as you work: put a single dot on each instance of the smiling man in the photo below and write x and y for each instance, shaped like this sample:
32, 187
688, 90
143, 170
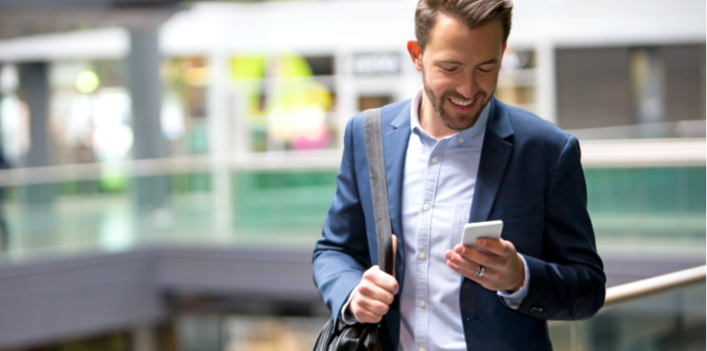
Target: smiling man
453, 155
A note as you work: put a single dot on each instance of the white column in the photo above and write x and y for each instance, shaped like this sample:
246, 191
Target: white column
346, 95
547, 94
219, 138
220, 145
239, 130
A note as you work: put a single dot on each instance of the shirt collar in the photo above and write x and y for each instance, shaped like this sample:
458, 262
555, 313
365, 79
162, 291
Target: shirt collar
467, 134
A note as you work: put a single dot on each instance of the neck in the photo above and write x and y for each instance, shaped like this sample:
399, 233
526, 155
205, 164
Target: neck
430, 122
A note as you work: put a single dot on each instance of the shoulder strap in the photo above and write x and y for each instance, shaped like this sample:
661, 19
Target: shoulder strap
379, 188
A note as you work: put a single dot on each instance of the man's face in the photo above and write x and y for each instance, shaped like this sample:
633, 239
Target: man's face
460, 69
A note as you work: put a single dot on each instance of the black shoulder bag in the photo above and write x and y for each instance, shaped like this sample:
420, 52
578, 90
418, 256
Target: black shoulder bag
360, 337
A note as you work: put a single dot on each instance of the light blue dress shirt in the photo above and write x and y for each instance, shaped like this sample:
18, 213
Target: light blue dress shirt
438, 189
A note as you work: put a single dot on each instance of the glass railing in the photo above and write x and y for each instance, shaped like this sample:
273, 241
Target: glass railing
648, 210
637, 207
661, 313
182, 202
282, 199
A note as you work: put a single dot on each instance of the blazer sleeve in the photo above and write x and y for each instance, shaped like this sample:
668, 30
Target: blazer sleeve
568, 281
341, 254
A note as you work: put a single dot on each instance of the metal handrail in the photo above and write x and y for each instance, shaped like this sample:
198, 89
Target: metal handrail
650, 286
321, 159
599, 153
677, 129
644, 152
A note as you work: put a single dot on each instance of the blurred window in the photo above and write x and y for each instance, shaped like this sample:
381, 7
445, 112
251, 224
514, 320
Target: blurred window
90, 111
517, 81
188, 78
375, 64
184, 105
321, 65
287, 101
593, 87
519, 96
14, 122
518, 59
366, 102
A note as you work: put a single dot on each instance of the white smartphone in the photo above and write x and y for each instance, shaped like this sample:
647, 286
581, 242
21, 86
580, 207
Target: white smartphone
473, 231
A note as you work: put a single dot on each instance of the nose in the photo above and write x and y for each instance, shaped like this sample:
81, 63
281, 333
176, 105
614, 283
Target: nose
467, 86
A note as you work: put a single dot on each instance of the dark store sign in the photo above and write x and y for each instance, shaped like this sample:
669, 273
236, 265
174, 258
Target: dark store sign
374, 64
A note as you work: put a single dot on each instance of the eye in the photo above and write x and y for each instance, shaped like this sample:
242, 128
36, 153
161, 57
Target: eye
449, 69
485, 69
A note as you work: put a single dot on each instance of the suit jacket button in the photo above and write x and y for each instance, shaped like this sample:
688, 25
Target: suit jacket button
535, 310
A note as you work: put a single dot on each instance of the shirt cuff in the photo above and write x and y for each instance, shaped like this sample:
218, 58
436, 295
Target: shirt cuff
347, 318
513, 300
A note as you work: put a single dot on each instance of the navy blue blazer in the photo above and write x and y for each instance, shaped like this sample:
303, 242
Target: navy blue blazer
530, 176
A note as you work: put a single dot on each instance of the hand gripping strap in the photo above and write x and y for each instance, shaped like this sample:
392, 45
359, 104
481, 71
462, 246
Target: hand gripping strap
379, 189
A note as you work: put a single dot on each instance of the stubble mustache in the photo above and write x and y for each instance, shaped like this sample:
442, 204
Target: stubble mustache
464, 121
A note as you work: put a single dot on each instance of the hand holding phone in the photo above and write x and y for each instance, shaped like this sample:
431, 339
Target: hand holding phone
503, 260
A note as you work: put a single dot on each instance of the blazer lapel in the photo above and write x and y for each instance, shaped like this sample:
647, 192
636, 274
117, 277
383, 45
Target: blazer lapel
495, 153
395, 143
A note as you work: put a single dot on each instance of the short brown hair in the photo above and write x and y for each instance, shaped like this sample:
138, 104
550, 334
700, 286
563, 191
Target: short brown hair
473, 13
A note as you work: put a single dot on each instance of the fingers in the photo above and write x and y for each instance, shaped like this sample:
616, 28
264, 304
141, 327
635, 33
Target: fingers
371, 305
365, 316
373, 295
478, 257
470, 273
381, 279
501, 272
499, 247
463, 266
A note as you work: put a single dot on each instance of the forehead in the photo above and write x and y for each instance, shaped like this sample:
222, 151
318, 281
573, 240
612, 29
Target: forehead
449, 36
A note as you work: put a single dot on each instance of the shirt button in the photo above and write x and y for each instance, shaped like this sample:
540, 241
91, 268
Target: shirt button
422, 255
426, 207
421, 304
461, 140
435, 159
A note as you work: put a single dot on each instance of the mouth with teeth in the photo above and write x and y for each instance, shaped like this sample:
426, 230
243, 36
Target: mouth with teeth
462, 105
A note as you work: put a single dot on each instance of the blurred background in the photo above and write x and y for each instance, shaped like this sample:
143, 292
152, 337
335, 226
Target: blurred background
167, 164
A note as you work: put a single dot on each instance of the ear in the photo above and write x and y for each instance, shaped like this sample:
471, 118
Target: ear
415, 54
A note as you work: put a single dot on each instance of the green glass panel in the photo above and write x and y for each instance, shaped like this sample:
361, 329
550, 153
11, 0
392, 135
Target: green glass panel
283, 198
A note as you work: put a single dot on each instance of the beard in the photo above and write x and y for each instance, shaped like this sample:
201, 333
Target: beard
462, 121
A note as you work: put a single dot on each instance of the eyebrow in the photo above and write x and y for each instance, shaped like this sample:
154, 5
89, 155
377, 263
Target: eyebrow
449, 62
493, 60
